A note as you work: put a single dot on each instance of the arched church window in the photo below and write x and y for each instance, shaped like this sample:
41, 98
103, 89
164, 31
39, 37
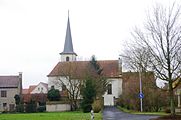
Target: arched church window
67, 58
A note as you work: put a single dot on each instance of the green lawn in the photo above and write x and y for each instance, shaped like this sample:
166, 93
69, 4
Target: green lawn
144, 113
50, 116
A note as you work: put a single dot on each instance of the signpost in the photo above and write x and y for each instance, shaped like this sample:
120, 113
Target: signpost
141, 95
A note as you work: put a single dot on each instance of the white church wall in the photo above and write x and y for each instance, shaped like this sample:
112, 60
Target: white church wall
108, 98
116, 87
55, 81
116, 92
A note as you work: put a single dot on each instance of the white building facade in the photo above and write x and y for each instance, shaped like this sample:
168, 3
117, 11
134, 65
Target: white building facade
40, 88
112, 69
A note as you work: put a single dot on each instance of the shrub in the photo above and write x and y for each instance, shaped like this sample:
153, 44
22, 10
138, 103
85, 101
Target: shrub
97, 106
41, 108
20, 108
167, 110
86, 108
53, 94
31, 107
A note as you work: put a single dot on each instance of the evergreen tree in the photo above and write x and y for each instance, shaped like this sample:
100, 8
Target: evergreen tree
100, 81
88, 93
53, 94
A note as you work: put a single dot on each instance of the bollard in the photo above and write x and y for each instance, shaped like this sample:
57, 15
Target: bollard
92, 115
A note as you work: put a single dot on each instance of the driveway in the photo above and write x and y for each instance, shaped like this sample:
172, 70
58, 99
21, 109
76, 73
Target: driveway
112, 113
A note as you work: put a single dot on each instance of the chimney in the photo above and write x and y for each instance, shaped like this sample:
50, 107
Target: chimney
20, 83
120, 67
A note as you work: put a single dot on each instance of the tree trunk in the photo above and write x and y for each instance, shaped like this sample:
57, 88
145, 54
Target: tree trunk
171, 95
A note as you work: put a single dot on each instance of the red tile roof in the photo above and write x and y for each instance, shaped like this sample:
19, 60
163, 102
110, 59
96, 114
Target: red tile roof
78, 68
25, 91
31, 88
9, 81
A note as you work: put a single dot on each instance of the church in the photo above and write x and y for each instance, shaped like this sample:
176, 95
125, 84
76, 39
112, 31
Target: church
112, 69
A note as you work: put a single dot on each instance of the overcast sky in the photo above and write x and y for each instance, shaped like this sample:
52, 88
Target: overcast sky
32, 32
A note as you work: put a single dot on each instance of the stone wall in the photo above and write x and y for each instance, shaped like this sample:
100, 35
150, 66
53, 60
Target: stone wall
57, 107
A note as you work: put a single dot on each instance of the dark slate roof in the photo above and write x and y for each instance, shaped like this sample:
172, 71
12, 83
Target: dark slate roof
9, 81
68, 46
78, 68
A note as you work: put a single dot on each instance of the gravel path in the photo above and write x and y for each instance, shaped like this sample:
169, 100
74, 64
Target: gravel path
112, 113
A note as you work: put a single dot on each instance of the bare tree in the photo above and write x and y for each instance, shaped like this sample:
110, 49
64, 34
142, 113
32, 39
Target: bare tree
136, 58
70, 81
162, 36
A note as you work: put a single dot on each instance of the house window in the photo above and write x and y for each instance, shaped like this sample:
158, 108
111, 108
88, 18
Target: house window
109, 89
38, 89
41, 89
3, 93
4, 104
67, 58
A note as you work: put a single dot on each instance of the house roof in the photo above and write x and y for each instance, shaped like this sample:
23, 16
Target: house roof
9, 81
25, 91
31, 88
44, 84
78, 68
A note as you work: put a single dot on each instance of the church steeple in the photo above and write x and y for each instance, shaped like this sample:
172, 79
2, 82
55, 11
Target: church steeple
68, 53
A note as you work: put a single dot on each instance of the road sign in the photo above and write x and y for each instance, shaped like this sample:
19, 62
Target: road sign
141, 95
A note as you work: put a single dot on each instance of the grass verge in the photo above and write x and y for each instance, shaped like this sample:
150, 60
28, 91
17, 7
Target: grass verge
142, 113
50, 116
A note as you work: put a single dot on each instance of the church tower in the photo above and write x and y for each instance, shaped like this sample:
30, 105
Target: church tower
68, 53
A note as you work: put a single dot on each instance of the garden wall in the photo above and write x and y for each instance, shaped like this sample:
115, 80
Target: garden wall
57, 107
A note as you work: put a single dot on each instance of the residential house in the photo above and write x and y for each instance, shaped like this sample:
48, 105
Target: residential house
9, 87
37, 93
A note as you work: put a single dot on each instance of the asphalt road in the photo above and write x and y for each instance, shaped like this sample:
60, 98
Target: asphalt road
112, 113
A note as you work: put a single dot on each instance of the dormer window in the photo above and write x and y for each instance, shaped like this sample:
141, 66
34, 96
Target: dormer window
67, 58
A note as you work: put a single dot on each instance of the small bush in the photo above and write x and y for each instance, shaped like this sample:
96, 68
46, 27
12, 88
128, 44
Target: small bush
31, 107
4, 111
167, 110
41, 108
20, 108
97, 106
86, 108
53, 94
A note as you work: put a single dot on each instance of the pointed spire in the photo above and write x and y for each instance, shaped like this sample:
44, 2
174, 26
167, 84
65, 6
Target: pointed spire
68, 46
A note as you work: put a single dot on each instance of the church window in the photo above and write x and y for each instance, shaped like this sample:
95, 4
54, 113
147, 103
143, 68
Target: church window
67, 58
109, 89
